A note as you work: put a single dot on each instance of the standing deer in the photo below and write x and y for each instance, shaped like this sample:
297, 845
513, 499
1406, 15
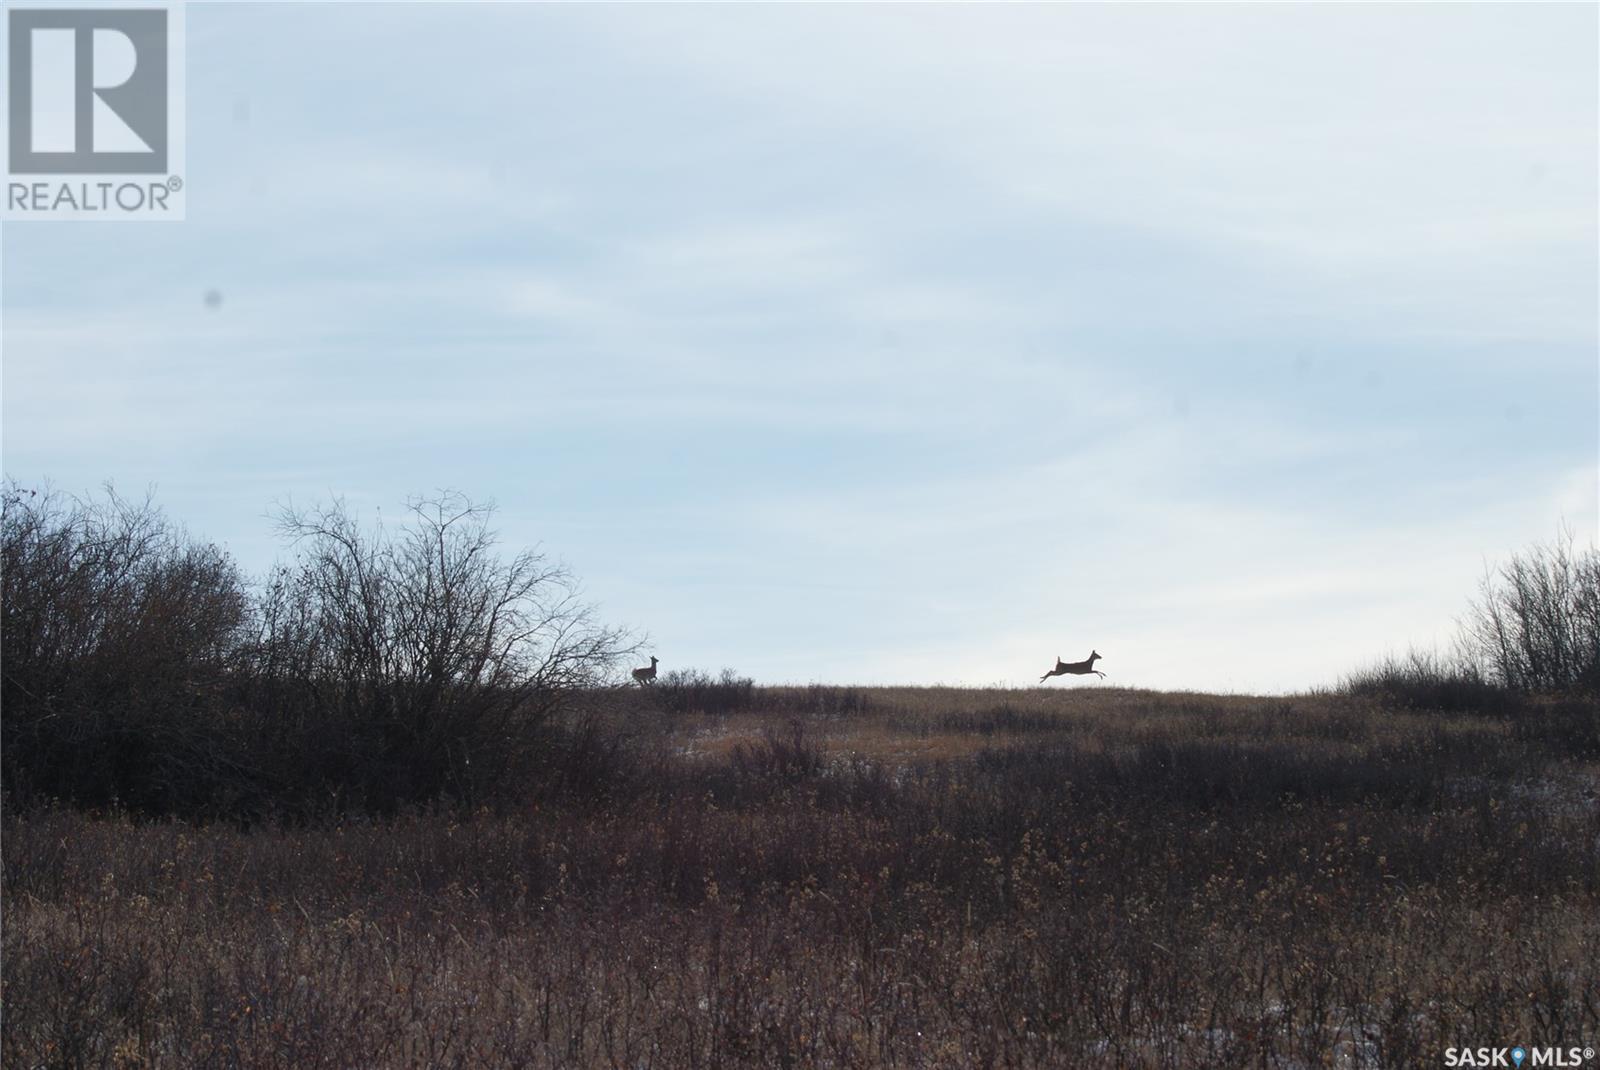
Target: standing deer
646, 676
1074, 668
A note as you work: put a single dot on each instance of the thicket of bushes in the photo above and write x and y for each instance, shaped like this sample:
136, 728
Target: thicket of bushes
692, 691
1533, 628
377, 667
1424, 680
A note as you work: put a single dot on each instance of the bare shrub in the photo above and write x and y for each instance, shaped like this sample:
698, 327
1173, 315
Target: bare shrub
693, 691
1428, 681
118, 632
431, 663
1535, 625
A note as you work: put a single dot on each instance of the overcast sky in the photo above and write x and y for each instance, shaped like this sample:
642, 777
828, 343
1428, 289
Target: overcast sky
872, 344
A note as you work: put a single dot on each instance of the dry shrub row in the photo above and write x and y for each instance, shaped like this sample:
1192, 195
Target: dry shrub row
378, 667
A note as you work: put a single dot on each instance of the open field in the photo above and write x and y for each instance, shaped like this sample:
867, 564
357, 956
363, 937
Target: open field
1076, 876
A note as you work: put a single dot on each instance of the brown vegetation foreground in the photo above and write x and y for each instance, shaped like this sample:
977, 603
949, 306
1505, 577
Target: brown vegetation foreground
857, 879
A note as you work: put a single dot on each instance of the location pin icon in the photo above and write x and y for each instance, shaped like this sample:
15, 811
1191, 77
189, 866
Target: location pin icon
1517, 1055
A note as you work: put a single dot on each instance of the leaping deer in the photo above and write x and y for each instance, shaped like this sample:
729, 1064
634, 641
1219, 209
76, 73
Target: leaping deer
646, 676
1074, 668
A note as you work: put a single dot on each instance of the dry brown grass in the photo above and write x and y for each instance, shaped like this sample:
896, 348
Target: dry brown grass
862, 878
